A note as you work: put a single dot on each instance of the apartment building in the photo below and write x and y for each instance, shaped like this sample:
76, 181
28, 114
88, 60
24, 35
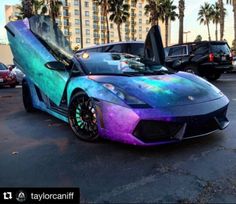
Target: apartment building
82, 23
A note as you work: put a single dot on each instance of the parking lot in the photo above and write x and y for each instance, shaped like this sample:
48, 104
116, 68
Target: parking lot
40, 151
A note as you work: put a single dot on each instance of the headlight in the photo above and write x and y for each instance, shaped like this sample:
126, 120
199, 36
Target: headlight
129, 100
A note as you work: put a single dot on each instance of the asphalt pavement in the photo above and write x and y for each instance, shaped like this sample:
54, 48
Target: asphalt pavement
37, 150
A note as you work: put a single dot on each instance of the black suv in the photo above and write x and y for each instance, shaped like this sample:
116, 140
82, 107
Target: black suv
208, 59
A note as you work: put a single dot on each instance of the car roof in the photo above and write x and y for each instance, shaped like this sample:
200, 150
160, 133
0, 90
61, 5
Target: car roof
113, 43
197, 43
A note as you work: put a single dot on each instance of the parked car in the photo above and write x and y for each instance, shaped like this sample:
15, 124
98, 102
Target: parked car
207, 59
19, 74
115, 96
7, 77
234, 64
130, 47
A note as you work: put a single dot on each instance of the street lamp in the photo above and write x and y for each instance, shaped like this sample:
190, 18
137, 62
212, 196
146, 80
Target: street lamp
186, 34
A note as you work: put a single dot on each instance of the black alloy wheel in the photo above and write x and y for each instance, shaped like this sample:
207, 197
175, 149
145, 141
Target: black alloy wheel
82, 117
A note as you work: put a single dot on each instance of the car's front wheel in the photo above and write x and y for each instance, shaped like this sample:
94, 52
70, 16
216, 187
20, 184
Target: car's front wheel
213, 76
82, 117
27, 99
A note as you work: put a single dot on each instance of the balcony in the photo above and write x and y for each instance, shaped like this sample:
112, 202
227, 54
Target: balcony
95, 27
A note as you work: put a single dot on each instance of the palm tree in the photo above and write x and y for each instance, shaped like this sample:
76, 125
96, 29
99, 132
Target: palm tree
233, 3
216, 17
205, 15
53, 8
181, 21
30, 8
104, 5
119, 14
222, 18
169, 14
27, 8
153, 8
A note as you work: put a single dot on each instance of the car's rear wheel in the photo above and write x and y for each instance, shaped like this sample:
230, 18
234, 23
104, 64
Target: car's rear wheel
27, 99
191, 69
213, 76
82, 117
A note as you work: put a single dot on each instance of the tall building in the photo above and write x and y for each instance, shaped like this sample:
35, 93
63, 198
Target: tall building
82, 22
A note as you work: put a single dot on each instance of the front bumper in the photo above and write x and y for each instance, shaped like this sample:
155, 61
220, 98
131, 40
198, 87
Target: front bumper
147, 127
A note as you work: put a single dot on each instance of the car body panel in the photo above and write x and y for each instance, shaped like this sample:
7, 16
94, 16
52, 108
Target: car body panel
31, 56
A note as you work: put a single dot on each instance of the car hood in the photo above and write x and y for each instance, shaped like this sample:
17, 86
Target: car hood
165, 90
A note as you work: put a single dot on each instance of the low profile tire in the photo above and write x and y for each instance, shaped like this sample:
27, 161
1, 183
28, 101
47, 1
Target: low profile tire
212, 76
27, 99
82, 117
191, 69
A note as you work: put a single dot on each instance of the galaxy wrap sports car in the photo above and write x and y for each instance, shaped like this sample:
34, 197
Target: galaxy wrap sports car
116, 96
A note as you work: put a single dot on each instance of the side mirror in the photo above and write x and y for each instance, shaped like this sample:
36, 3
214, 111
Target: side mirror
55, 65
10, 68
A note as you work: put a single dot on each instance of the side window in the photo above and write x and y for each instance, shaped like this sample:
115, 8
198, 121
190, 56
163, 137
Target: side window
136, 49
178, 51
200, 49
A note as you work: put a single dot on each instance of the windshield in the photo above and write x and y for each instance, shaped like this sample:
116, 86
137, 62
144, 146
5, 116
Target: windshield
47, 31
220, 48
120, 64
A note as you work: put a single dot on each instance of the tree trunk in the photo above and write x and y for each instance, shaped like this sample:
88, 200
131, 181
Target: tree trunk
234, 9
216, 31
181, 21
27, 8
209, 34
222, 19
119, 33
166, 30
108, 30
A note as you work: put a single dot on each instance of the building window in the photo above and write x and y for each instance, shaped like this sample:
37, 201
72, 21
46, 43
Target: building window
77, 31
66, 32
76, 2
77, 21
140, 5
140, 13
87, 22
86, 13
111, 25
112, 34
140, 28
76, 12
86, 4
87, 32
140, 21
140, 37
87, 40
147, 29
77, 40
147, 21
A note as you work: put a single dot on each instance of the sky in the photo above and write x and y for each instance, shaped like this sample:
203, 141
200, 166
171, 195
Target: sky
190, 21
